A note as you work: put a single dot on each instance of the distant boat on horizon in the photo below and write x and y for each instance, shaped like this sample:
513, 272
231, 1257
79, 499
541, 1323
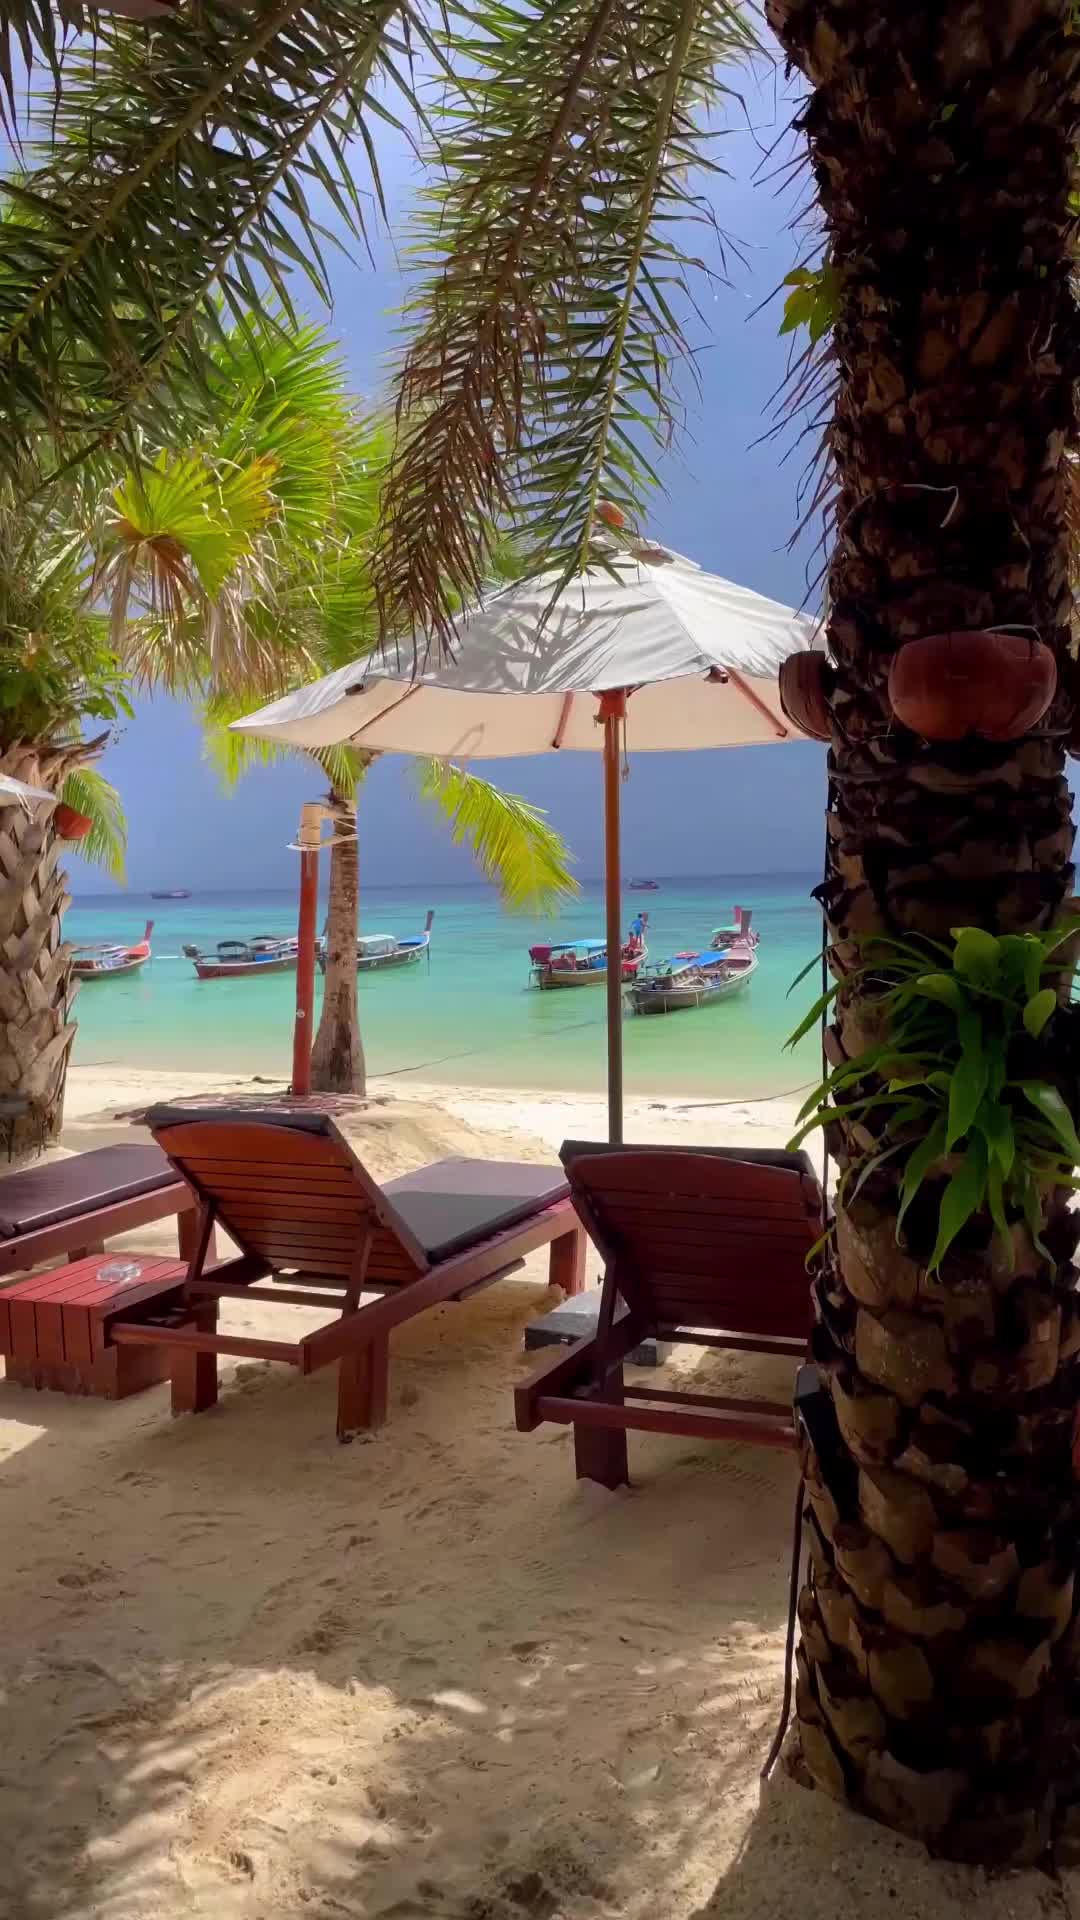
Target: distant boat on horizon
173, 893
644, 886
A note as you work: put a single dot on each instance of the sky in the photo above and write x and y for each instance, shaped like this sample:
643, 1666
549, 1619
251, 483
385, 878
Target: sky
729, 502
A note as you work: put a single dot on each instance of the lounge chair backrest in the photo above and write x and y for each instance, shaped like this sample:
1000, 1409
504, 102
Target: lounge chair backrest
295, 1197
700, 1239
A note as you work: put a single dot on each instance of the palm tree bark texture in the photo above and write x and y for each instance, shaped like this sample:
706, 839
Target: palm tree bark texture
939, 1636
337, 1056
36, 988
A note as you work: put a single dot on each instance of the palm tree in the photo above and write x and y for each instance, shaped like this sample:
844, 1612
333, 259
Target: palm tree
937, 1665
288, 579
939, 1636
512, 845
61, 684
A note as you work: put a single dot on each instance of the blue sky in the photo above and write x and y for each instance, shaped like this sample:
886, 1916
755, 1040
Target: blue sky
729, 503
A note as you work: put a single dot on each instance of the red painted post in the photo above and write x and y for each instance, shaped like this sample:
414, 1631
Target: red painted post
306, 934
612, 714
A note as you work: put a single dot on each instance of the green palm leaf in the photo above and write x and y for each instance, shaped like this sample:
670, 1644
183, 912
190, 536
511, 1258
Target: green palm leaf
553, 275
88, 792
176, 176
511, 842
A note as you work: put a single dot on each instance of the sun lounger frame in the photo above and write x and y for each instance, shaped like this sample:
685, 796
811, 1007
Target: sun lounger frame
383, 1257
80, 1234
703, 1205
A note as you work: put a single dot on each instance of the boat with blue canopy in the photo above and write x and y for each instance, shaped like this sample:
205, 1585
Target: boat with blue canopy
698, 979
584, 963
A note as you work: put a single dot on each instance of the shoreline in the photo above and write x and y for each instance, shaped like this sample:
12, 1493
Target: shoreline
99, 1099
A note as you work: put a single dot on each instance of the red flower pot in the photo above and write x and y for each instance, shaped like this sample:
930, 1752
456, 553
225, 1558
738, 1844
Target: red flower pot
802, 694
948, 686
69, 824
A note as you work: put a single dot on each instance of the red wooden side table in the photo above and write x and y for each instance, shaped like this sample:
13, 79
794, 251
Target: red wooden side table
54, 1326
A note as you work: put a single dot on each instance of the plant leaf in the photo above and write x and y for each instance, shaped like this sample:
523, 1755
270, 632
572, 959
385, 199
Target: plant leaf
969, 1079
929, 1149
1039, 1010
1048, 1102
961, 1199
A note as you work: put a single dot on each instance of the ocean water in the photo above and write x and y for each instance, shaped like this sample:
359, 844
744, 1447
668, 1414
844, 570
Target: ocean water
467, 1016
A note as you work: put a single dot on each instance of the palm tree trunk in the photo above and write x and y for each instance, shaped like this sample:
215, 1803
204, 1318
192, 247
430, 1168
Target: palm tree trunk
36, 988
337, 1057
939, 1634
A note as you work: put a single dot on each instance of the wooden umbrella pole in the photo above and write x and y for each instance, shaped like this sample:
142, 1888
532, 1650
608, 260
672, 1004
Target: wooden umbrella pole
306, 933
612, 714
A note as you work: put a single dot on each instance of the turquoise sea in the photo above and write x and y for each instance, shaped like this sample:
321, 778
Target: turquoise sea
467, 1017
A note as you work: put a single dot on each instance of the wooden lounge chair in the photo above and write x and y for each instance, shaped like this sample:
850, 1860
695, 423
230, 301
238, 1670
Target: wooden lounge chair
288, 1189
707, 1247
70, 1208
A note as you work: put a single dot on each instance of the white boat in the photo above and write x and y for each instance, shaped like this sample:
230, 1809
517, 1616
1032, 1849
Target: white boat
375, 952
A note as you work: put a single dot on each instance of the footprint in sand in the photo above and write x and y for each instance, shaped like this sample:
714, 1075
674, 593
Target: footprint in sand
80, 1577
325, 1636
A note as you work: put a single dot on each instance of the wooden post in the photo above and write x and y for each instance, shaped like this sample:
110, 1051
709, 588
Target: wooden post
310, 821
612, 714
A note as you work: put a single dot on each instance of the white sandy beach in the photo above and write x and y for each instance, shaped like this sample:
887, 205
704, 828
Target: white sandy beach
249, 1674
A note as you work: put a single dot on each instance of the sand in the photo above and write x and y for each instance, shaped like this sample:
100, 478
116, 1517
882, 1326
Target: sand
249, 1674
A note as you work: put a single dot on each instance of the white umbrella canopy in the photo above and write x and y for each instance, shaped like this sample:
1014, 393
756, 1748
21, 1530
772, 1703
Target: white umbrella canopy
517, 683
17, 790
651, 654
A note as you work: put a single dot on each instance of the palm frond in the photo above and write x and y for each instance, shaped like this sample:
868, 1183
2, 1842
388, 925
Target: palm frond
88, 792
177, 176
554, 280
232, 755
510, 840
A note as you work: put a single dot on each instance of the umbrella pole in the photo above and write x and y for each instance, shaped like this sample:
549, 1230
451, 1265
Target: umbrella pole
310, 817
612, 712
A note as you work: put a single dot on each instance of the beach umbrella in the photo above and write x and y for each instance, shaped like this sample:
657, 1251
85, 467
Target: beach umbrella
17, 792
647, 654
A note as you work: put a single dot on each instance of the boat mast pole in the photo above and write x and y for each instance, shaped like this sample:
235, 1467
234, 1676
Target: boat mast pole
611, 716
311, 814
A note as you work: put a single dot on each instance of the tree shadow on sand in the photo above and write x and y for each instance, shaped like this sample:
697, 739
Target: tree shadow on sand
251, 1673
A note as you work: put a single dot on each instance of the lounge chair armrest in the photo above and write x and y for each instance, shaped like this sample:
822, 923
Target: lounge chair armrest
573, 1367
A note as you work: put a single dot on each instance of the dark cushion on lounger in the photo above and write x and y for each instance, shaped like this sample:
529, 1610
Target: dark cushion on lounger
175, 1113
455, 1203
64, 1189
798, 1162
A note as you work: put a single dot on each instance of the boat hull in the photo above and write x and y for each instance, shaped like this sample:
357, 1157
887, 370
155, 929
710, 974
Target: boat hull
549, 977
86, 970
675, 999
244, 969
379, 962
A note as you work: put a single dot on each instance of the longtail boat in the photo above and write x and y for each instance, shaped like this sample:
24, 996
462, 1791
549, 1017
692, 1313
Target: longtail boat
584, 963
698, 979
104, 961
245, 959
377, 951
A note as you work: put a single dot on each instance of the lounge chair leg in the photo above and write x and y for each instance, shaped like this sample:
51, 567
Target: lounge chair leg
600, 1452
566, 1267
363, 1381
194, 1376
188, 1225
85, 1252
